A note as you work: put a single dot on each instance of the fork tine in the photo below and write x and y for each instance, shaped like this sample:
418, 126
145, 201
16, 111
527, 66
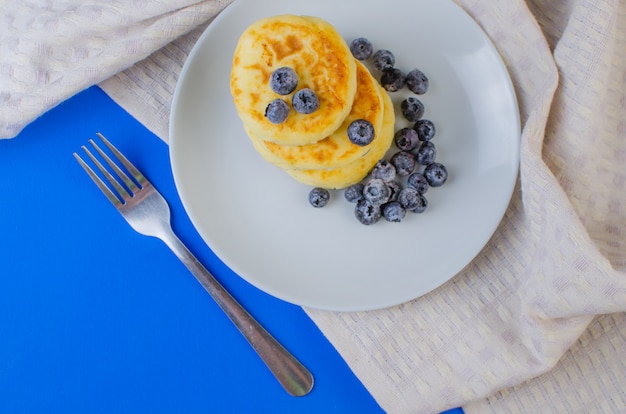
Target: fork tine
137, 175
130, 184
114, 182
113, 198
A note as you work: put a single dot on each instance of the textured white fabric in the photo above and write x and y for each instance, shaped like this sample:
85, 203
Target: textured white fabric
49, 50
536, 322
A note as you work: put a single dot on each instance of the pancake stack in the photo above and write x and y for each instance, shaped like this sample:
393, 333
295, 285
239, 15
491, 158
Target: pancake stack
312, 148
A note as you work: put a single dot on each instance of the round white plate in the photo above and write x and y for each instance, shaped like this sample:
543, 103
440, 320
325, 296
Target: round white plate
258, 220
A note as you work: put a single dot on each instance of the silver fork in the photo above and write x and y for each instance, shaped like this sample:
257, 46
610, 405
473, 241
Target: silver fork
145, 209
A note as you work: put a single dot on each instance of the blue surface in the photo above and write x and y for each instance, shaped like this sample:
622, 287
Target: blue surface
95, 318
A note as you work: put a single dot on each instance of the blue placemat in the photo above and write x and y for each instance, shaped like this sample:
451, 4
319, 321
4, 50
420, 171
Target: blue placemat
95, 318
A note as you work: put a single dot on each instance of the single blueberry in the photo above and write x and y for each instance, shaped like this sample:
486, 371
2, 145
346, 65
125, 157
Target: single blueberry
392, 79
383, 59
361, 132
426, 153
366, 212
404, 162
361, 48
412, 108
384, 170
406, 139
305, 101
422, 204
417, 82
425, 129
376, 191
436, 174
284, 80
354, 192
277, 111
319, 197
418, 182
394, 190
409, 198
393, 212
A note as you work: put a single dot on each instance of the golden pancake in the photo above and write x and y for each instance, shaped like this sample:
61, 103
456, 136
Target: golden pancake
335, 150
321, 59
354, 172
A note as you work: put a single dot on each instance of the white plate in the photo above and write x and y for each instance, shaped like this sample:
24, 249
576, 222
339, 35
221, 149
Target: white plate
258, 220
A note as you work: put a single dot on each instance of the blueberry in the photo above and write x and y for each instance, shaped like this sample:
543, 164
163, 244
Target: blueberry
354, 193
425, 129
361, 48
366, 212
284, 80
383, 59
406, 139
404, 162
392, 79
305, 101
384, 170
418, 182
376, 191
422, 204
409, 198
361, 132
412, 108
417, 82
394, 190
319, 197
277, 111
436, 174
426, 153
393, 212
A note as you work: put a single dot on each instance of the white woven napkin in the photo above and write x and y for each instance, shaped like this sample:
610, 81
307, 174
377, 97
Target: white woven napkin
50, 50
536, 322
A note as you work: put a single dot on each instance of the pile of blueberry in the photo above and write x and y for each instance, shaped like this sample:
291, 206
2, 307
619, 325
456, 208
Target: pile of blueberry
399, 184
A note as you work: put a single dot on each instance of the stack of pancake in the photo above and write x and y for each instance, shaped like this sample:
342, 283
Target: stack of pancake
312, 148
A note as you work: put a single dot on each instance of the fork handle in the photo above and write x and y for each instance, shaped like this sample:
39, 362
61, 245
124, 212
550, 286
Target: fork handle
292, 375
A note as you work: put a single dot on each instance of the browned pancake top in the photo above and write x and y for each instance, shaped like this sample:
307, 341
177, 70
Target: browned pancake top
322, 61
336, 149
